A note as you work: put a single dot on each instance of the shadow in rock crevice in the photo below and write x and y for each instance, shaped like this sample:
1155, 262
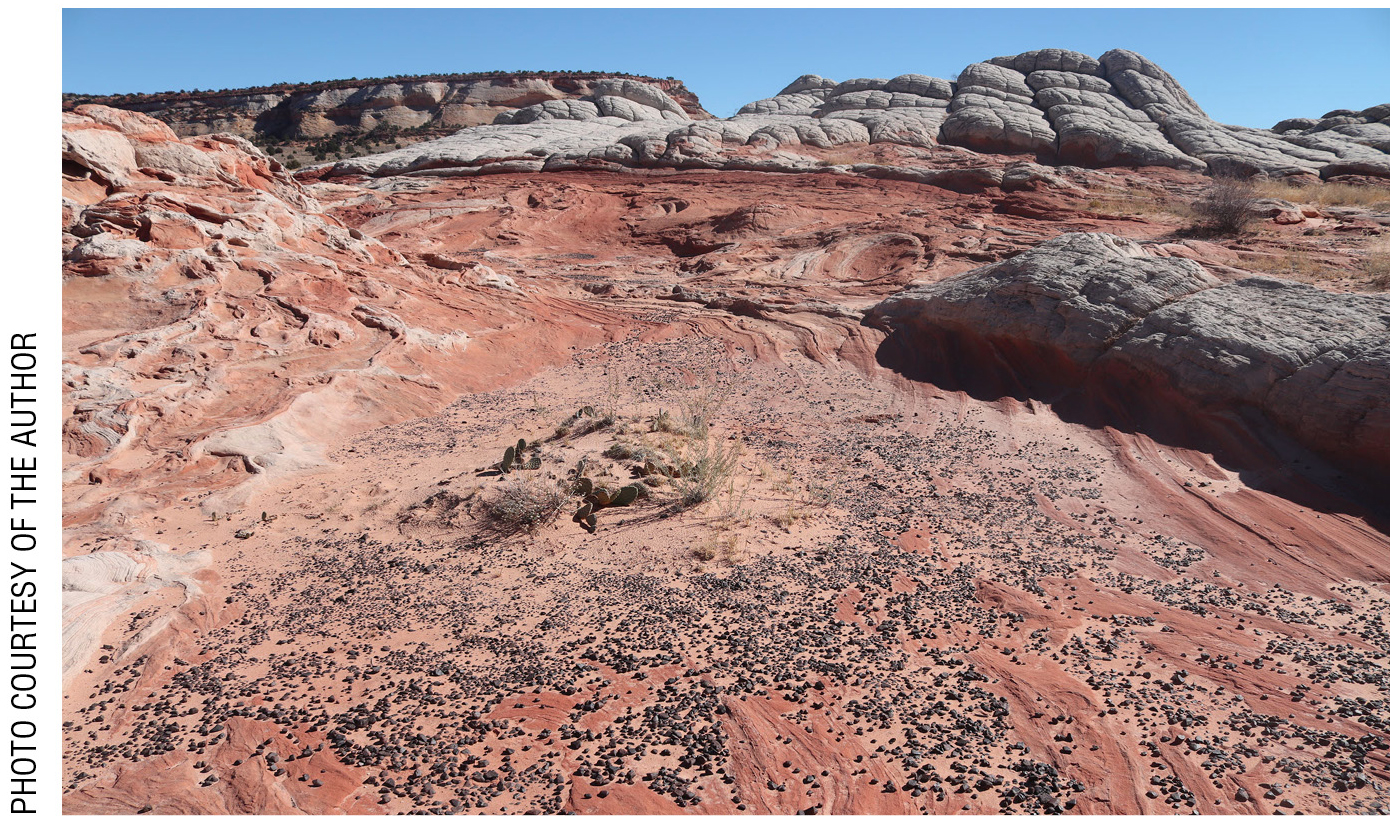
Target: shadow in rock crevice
1239, 438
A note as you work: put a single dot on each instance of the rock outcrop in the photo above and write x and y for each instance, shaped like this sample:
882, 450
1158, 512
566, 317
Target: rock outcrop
1160, 335
1118, 110
359, 106
219, 258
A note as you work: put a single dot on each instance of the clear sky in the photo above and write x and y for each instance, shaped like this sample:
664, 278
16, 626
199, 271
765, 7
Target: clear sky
1244, 66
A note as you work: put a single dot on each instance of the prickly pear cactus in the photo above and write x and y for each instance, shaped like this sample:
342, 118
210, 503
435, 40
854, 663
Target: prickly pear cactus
587, 516
624, 497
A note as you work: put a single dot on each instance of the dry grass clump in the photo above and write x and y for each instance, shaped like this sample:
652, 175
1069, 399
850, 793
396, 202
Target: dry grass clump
580, 423
705, 550
788, 517
1329, 194
699, 408
1295, 264
695, 411
1376, 267
1371, 271
883, 154
842, 156
820, 494
727, 546
526, 505
625, 449
663, 422
1226, 205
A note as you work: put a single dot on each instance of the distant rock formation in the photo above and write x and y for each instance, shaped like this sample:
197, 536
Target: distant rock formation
1094, 312
1118, 110
323, 109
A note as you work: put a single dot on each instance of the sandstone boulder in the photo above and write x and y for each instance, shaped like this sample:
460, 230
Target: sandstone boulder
1098, 314
920, 85
1278, 210
1051, 59
639, 93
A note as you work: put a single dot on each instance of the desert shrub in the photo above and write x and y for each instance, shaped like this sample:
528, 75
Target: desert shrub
1227, 208
526, 505
707, 473
698, 408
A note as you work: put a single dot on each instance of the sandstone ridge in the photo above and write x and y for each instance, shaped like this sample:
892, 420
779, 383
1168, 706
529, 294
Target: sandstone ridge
1061, 106
315, 110
1097, 312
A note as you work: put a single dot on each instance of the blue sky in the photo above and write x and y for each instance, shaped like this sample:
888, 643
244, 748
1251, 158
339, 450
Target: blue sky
1244, 66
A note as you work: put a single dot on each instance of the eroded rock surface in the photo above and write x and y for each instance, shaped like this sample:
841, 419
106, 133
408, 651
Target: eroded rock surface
1098, 312
195, 264
352, 107
1118, 110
